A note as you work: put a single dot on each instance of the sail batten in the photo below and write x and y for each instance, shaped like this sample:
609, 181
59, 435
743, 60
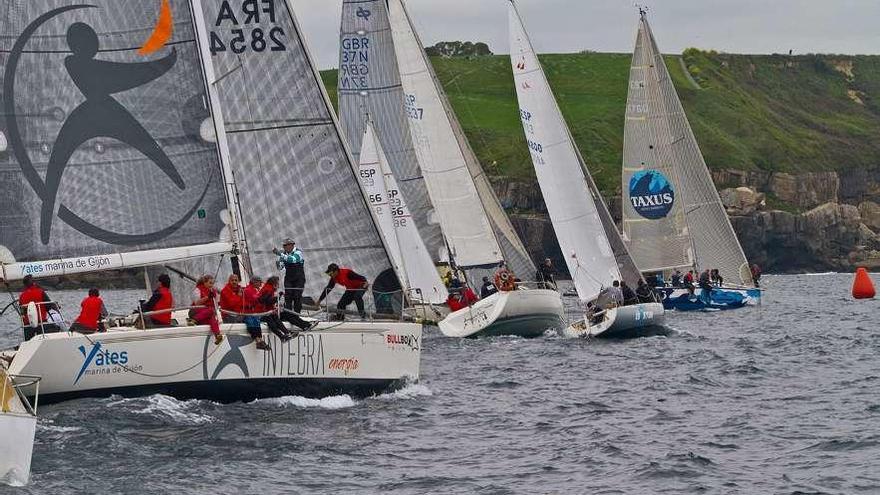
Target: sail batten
672, 214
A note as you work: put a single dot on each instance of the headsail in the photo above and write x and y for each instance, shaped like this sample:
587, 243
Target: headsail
572, 203
294, 175
408, 252
103, 162
369, 84
673, 216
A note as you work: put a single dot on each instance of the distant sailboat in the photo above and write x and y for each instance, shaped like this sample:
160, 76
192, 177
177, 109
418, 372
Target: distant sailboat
473, 222
673, 218
250, 130
594, 252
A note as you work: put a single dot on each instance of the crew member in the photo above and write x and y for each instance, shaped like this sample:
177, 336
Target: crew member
250, 296
716, 278
644, 292
89, 319
33, 293
756, 274
676, 278
461, 298
160, 301
232, 300
290, 258
615, 294
546, 275
706, 285
629, 296
689, 278
269, 300
205, 295
505, 280
487, 289
355, 286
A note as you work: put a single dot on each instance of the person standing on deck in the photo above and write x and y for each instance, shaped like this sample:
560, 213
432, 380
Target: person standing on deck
487, 289
89, 319
355, 286
33, 293
706, 285
292, 261
756, 274
546, 275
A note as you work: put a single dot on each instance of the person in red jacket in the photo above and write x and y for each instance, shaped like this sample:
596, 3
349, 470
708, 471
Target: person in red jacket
89, 319
33, 293
268, 303
355, 286
205, 295
232, 300
250, 296
160, 301
460, 296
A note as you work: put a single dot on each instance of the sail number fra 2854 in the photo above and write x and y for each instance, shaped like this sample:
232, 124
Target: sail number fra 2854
238, 28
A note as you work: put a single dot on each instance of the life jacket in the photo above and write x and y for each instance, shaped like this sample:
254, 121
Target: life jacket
250, 296
343, 278
34, 294
504, 280
91, 312
230, 300
166, 301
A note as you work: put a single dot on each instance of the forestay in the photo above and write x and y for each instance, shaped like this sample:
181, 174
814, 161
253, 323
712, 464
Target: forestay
411, 260
103, 156
562, 177
673, 216
369, 85
293, 173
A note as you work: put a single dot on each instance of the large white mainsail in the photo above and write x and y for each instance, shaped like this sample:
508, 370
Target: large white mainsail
369, 85
294, 175
672, 215
458, 186
572, 202
408, 252
105, 164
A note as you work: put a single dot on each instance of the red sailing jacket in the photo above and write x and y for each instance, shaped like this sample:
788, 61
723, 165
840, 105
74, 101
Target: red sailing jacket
251, 305
349, 279
91, 312
34, 294
267, 298
231, 299
166, 301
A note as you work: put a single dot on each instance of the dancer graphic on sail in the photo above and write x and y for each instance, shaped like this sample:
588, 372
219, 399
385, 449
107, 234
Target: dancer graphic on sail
101, 115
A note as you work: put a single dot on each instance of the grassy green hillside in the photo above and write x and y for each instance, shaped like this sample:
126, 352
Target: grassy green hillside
778, 113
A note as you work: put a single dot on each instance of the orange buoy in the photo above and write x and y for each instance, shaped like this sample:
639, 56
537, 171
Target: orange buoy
863, 286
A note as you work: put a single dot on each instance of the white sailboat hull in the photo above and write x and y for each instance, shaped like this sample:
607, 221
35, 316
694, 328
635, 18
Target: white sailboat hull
624, 321
525, 313
358, 358
17, 433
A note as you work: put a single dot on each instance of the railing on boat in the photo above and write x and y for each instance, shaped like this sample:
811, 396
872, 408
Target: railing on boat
13, 386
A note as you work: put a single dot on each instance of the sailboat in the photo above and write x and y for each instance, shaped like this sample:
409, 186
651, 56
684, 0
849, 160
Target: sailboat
416, 268
210, 147
18, 424
673, 218
594, 252
475, 226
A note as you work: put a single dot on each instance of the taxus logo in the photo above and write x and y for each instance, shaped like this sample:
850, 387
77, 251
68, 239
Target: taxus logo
651, 194
410, 341
96, 358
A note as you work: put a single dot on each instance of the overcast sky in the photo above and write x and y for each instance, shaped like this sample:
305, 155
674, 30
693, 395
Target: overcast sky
559, 26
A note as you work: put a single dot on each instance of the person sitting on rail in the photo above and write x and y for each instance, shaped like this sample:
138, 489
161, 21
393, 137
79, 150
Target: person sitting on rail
33, 293
615, 294
644, 292
232, 300
161, 301
355, 287
204, 311
250, 299
269, 300
89, 319
505, 279
487, 289
460, 296
629, 296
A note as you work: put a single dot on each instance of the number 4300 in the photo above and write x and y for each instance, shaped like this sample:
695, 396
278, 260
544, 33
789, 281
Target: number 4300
257, 42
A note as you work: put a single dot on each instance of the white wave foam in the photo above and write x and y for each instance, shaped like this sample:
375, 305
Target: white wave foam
332, 403
823, 274
56, 429
408, 392
172, 408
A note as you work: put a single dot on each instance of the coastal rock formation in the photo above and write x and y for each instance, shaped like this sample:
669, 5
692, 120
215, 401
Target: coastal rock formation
742, 200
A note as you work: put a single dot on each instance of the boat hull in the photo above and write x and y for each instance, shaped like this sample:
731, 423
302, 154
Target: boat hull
523, 313
720, 299
359, 359
634, 321
17, 431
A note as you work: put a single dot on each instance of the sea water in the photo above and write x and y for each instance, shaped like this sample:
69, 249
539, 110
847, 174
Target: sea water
782, 398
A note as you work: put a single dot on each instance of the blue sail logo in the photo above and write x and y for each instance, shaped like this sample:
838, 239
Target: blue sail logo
651, 194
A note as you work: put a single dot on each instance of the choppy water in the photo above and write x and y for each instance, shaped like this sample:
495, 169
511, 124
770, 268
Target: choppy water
779, 399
